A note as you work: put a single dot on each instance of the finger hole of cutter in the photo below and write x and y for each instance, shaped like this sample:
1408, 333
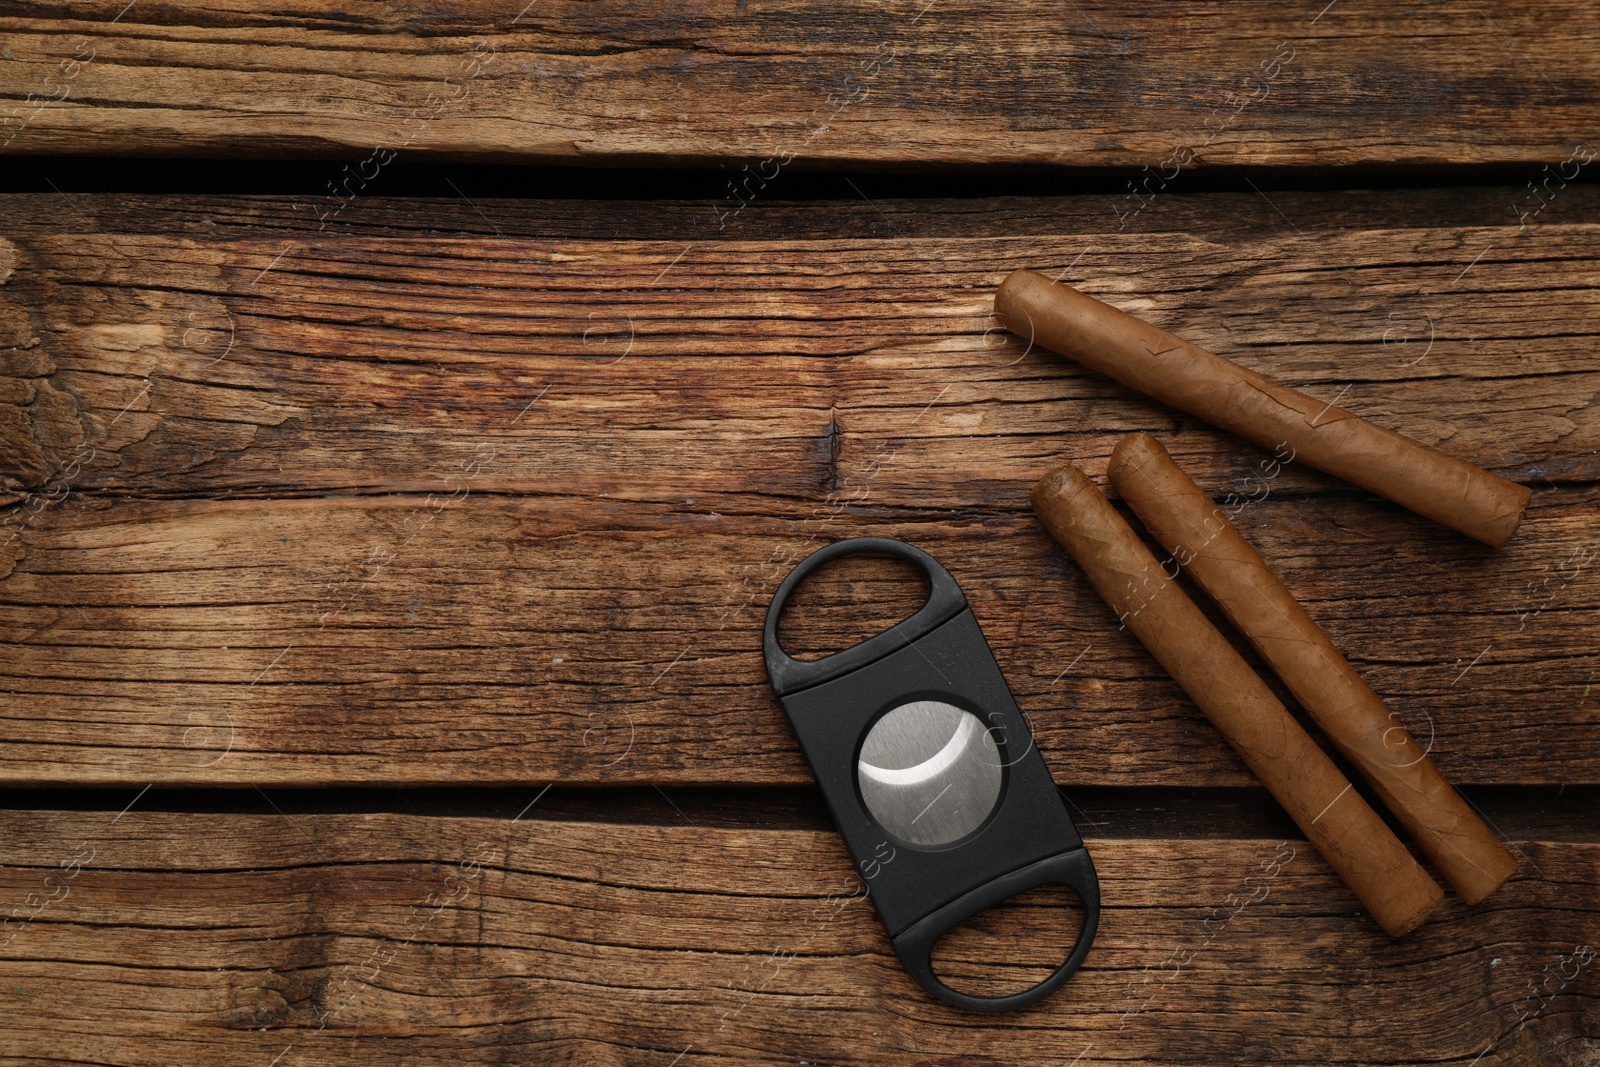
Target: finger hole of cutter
1013, 946
849, 600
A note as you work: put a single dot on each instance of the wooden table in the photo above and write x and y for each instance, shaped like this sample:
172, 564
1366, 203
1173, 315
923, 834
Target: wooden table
385, 548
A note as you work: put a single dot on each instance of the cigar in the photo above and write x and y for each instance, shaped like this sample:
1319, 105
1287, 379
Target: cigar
1203, 542
1138, 355
1348, 833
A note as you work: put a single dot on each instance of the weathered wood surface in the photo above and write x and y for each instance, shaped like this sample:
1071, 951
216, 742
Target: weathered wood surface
170, 937
808, 84
418, 510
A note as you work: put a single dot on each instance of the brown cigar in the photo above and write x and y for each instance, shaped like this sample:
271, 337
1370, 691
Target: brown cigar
1206, 544
1348, 833
1138, 355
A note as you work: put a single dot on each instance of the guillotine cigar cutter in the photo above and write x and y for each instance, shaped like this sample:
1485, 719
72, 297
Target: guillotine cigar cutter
931, 773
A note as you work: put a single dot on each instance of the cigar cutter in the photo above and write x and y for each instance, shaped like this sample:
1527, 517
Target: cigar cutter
931, 773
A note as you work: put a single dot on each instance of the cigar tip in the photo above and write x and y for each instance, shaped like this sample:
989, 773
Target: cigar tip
1135, 444
1014, 288
1059, 486
1495, 868
1426, 904
1497, 531
1131, 453
1020, 278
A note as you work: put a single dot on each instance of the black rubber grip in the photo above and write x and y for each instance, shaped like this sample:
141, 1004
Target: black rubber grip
915, 944
945, 602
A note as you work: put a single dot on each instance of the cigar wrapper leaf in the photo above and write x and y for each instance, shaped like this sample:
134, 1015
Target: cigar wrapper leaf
1202, 541
1334, 817
1185, 376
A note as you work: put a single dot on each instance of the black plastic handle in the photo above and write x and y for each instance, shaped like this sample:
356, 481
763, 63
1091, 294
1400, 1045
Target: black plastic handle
945, 602
914, 945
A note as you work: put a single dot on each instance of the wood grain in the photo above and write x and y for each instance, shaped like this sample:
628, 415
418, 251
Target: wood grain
804, 84
203, 938
408, 510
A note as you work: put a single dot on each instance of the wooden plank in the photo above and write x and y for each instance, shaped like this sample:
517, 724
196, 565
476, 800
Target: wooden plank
201, 938
323, 555
556, 639
805, 84
870, 340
